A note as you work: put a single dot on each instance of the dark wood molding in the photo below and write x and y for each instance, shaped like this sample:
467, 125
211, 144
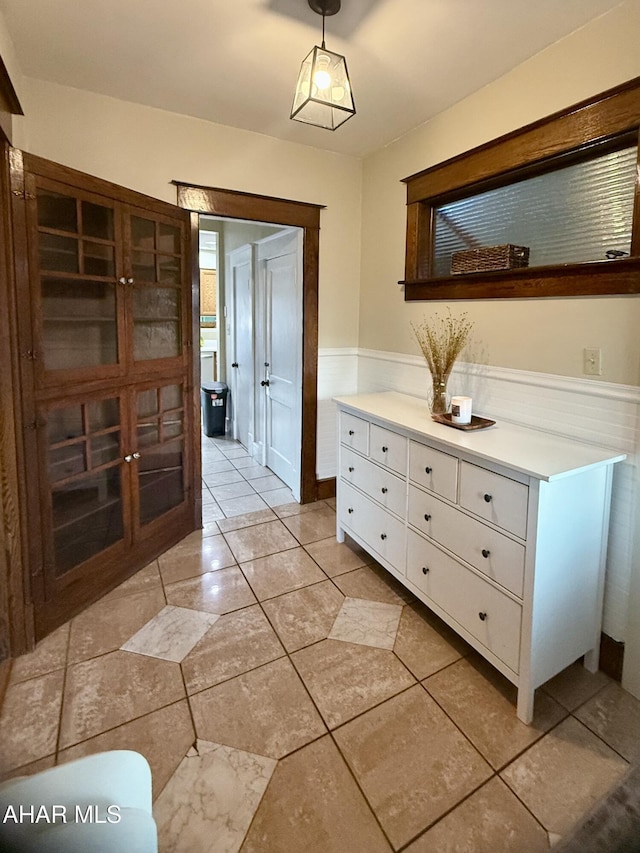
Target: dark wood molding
611, 657
241, 205
9, 100
327, 488
605, 122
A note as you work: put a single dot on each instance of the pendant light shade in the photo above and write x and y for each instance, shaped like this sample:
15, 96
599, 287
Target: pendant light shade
323, 92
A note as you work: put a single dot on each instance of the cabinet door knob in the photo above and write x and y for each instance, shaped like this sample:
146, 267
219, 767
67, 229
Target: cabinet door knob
384, 490
122, 280
129, 281
384, 449
234, 364
427, 516
482, 616
383, 535
350, 432
425, 570
428, 470
128, 457
351, 469
136, 455
485, 552
488, 498
350, 510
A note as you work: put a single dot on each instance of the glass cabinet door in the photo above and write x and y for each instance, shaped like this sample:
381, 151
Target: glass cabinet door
85, 488
74, 260
157, 265
160, 429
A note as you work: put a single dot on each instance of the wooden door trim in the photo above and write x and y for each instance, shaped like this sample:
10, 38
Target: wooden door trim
259, 208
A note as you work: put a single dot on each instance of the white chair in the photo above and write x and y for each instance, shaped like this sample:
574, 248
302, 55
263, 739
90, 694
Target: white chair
100, 803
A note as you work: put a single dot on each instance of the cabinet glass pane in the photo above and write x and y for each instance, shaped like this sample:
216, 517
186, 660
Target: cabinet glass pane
160, 480
79, 324
99, 259
147, 403
63, 424
171, 397
104, 414
105, 448
58, 254
172, 425
143, 233
66, 461
169, 270
577, 214
57, 211
97, 221
156, 318
87, 517
168, 239
144, 266
148, 433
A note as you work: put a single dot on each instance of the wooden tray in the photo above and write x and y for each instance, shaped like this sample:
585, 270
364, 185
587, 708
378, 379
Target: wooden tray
476, 422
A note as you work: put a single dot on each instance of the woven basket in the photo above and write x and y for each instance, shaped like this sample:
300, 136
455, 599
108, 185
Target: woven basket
488, 258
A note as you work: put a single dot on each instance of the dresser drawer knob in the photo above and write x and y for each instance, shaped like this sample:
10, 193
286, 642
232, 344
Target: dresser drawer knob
350, 510
485, 552
351, 432
351, 469
425, 570
383, 535
488, 498
427, 516
482, 616
384, 449
384, 490
428, 470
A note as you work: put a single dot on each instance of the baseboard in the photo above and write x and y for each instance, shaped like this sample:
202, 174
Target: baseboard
5, 669
611, 657
326, 488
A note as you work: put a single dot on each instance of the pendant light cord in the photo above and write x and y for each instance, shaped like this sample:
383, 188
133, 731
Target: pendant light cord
323, 47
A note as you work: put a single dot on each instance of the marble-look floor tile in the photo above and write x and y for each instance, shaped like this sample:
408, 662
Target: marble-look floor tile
49, 654
483, 704
211, 799
223, 478
249, 519
234, 452
331, 502
163, 737
280, 573
108, 623
29, 769
194, 556
266, 711
563, 775
237, 643
145, 580
294, 508
214, 592
492, 820
337, 558
171, 634
425, 644
575, 685
252, 471
107, 691
29, 720
215, 466
277, 497
249, 543
212, 512
345, 679
241, 506
369, 623
267, 484
313, 805
305, 616
312, 526
232, 490
375, 583
614, 715
411, 762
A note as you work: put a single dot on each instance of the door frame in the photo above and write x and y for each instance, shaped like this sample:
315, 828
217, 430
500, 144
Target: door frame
233, 204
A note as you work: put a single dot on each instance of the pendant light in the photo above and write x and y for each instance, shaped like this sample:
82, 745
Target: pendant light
323, 93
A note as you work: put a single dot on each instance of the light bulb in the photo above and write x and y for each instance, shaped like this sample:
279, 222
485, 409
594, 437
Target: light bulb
322, 77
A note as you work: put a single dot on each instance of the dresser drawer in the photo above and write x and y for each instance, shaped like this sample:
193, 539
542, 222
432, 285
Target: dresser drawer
433, 469
354, 432
498, 499
487, 614
493, 553
382, 533
388, 448
381, 485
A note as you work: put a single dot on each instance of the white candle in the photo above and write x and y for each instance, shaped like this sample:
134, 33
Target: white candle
461, 410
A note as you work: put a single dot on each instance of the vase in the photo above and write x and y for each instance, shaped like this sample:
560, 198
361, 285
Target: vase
439, 399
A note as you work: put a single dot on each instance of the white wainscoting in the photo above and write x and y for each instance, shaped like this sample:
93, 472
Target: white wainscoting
588, 410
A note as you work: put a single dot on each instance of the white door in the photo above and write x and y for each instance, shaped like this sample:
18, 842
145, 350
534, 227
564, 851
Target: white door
279, 353
240, 372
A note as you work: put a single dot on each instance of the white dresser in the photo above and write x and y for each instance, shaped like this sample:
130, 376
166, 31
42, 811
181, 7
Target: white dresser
502, 532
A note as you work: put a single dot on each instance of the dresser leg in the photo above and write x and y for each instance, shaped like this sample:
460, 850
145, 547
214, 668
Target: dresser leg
592, 660
340, 534
525, 704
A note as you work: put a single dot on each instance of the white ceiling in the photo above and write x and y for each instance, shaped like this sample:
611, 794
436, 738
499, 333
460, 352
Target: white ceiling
235, 62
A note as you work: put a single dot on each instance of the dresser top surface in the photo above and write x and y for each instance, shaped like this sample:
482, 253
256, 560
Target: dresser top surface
530, 451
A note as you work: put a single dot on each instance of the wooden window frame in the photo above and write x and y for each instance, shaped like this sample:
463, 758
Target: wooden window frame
584, 130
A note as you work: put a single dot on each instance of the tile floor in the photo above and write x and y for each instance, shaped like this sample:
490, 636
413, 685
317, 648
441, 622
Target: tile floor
290, 696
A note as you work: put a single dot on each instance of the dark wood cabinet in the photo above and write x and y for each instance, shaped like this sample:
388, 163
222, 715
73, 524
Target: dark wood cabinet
104, 303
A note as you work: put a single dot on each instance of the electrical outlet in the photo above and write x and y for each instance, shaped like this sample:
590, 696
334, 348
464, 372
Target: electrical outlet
592, 361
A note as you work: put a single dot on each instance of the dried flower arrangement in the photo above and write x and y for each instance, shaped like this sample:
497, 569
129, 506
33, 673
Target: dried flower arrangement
442, 339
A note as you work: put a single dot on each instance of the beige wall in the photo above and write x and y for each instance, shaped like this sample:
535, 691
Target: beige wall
545, 335
145, 149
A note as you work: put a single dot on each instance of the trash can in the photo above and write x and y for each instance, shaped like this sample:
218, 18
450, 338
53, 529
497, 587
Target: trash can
214, 407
